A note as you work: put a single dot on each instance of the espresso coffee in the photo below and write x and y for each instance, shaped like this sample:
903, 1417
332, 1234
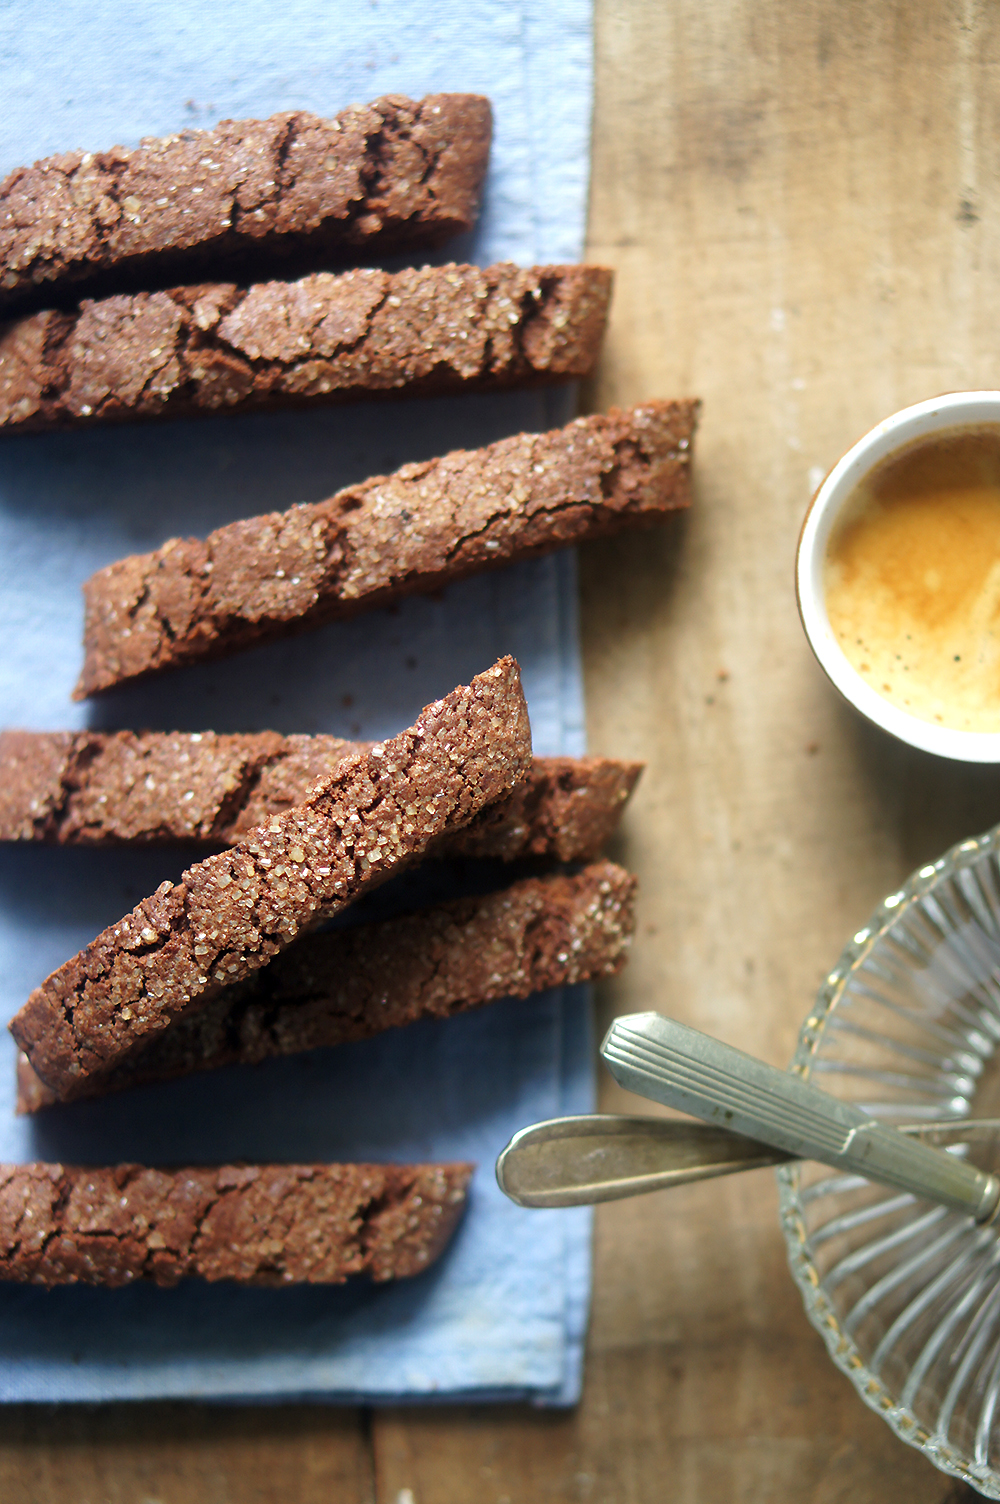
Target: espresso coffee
911, 579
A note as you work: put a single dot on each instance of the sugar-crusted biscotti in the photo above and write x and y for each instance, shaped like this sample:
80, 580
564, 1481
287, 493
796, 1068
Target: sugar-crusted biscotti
348, 984
396, 174
100, 788
391, 536
232, 913
216, 347
253, 1224
565, 810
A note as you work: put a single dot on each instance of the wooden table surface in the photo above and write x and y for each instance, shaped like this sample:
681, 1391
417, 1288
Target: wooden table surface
799, 199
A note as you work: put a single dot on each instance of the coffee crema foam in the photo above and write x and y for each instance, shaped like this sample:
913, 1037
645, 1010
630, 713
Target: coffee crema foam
911, 579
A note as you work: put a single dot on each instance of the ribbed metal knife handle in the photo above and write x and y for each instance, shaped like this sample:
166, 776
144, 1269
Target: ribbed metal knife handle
669, 1062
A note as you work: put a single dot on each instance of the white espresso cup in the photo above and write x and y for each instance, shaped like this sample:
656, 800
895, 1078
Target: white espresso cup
956, 410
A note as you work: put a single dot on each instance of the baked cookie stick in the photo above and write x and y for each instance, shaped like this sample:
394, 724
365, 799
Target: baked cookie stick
100, 788
110, 788
348, 984
214, 348
246, 197
565, 811
391, 536
253, 1224
232, 913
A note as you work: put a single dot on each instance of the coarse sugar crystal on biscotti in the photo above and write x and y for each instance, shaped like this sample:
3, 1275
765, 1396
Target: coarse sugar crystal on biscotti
347, 984
253, 1224
244, 198
426, 525
215, 348
231, 913
97, 788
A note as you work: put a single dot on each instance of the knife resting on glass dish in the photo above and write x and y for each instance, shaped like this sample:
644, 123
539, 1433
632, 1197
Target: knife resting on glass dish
754, 1114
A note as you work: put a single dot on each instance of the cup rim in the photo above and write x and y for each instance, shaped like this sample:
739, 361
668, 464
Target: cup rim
952, 410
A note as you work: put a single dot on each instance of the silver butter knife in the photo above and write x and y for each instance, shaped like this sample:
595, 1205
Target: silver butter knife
669, 1062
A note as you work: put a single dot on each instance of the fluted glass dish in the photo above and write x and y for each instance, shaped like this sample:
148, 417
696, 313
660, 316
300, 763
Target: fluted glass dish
906, 1294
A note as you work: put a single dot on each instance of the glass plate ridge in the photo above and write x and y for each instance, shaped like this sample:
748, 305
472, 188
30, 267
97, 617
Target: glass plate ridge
906, 1296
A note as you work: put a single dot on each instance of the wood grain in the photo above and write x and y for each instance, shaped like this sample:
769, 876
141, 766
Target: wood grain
183, 1454
800, 200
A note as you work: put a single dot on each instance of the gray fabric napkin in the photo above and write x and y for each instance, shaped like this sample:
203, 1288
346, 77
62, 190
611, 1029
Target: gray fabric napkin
503, 1314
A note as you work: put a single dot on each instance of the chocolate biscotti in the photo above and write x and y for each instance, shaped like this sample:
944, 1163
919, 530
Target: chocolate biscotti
98, 788
347, 984
253, 1224
242, 198
391, 536
219, 348
565, 810
232, 913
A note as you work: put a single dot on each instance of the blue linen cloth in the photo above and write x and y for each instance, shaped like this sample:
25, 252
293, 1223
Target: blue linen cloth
503, 1314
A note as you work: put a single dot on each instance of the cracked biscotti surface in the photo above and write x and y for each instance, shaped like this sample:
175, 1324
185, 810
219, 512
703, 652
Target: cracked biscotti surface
396, 174
115, 787
565, 810
349, 984
100, 788
254, 1224
391, 536
216, 347
232, 913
